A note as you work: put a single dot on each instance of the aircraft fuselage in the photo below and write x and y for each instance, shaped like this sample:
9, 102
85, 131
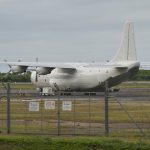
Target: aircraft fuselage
83, 78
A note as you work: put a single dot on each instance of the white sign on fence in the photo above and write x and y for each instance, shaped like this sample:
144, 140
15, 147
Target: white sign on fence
67, 105
49, 104
33, 106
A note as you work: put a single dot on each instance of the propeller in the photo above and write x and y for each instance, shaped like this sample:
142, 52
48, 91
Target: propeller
10, 70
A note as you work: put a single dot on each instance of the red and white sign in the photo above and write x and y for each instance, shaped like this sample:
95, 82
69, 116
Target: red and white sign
49, 104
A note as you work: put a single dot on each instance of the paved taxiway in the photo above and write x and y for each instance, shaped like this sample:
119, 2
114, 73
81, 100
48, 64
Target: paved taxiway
137, 94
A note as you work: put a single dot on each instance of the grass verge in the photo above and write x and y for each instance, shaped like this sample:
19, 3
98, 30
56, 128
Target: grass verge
68, 143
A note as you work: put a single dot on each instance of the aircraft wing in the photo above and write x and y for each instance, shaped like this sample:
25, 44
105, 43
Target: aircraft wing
39, 64
143, 65
40, 68
106, 65
72, 65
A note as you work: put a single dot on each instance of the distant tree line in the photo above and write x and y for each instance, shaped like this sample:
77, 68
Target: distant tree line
142, 75
11, 77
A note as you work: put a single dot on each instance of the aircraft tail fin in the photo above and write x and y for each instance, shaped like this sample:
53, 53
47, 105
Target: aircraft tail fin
127, 50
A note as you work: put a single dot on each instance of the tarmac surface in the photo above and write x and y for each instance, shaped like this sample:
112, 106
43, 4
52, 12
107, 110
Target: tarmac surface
138, 94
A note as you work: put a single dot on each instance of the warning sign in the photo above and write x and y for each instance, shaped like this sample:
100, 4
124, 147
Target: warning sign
49, 104
67, 105
33, 106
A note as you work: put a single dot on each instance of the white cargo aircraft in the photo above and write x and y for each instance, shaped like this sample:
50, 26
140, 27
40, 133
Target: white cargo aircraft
85, 76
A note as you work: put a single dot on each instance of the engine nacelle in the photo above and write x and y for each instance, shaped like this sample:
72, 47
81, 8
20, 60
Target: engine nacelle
43, 70
18, 69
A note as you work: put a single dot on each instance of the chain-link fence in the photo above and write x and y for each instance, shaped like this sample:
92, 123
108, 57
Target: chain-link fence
77, 114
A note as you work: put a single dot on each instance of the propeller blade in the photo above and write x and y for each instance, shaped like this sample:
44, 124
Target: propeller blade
6, 75
5, 60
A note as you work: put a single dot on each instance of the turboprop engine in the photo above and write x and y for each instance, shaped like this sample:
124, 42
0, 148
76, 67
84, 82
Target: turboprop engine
43, 70
18, 69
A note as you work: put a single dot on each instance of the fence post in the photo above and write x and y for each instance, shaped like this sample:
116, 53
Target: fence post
106, 109
58, 113
8, 107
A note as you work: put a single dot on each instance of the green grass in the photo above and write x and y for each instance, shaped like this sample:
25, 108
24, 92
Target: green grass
22, 86
133, 84
69, 143
45, 121
19, 110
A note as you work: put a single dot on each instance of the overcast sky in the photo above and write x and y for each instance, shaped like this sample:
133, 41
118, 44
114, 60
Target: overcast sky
70, 30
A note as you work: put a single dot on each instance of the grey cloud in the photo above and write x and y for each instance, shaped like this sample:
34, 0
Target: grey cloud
70, 30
